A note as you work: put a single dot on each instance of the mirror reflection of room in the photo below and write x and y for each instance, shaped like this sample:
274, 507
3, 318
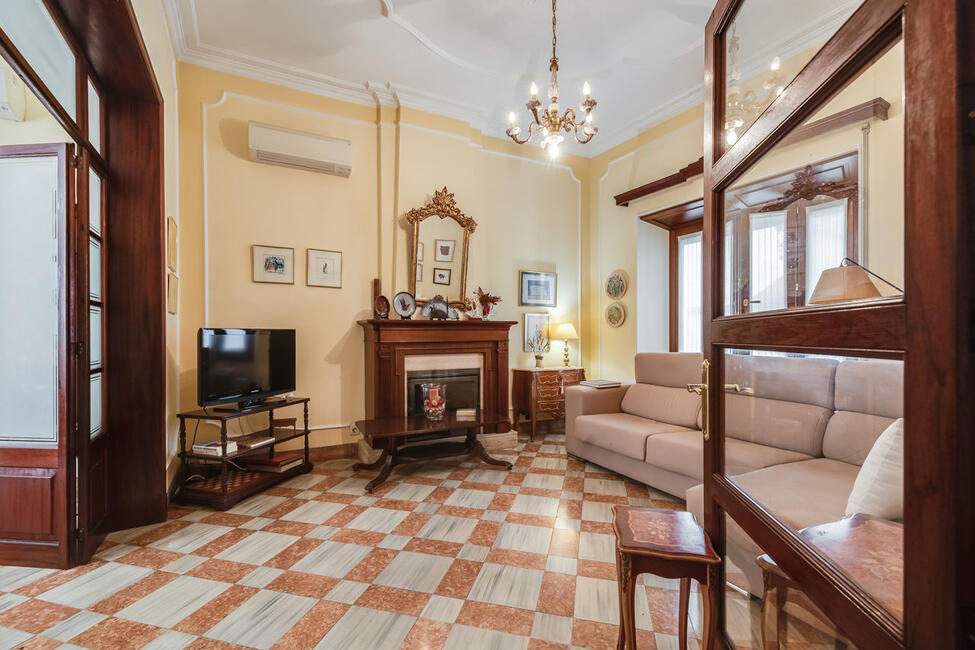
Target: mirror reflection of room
439, 258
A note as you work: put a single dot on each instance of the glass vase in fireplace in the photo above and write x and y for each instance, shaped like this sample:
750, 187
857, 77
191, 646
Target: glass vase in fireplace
434, 401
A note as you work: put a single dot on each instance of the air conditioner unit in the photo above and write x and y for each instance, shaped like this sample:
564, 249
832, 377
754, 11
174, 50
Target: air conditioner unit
276, 145
12, 97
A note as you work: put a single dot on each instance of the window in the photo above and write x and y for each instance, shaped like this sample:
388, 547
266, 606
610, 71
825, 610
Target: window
690, 249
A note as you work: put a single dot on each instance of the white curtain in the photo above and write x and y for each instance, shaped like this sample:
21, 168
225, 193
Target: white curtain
767, 279
825, 240
690, 269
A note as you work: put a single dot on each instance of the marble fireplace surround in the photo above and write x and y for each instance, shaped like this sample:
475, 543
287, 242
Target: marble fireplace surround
394, 347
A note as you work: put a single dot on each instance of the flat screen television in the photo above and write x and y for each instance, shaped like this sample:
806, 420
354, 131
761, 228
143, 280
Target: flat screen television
244, 365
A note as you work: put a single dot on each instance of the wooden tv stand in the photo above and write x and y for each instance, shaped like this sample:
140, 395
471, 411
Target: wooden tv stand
222, 485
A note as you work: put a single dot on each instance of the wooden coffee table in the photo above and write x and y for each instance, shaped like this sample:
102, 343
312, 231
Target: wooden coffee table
397, 437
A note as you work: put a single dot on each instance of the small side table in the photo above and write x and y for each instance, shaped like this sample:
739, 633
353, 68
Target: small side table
670, 544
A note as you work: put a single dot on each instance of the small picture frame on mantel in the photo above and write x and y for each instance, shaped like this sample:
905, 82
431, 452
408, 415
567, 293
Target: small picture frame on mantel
274, 264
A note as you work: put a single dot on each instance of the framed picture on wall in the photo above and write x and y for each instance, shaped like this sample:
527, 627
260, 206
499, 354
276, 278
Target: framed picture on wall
324, 268
444, 250
172, 243
536, 329
419, 273
537, 289
273, 264
419, 251
172, 293
441, 276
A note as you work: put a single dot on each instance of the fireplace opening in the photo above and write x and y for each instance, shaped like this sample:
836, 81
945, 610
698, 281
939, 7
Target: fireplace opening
463, 388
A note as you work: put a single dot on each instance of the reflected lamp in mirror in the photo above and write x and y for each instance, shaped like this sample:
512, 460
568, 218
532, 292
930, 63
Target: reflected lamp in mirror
847, 282
565, 331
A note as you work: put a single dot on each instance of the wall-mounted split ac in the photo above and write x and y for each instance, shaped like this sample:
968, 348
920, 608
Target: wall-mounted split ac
12, 96
277, 145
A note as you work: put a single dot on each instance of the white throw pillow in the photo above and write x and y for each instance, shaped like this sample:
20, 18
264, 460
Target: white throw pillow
879, 487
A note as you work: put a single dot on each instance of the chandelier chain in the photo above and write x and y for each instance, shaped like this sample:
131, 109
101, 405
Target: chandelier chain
554, 39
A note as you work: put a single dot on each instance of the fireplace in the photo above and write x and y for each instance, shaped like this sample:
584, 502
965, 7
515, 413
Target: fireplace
463, 388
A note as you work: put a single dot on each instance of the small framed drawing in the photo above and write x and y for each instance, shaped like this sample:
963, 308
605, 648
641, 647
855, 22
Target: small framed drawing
537, 289
419, 251
273, 264
444, 250
419, 273
441, 276
324, 268
536, 332
172, 243
172, 293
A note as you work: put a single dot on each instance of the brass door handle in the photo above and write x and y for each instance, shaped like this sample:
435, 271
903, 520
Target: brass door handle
738, 388
702, 390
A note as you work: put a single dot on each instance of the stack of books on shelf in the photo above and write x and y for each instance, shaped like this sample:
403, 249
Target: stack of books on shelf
254, 440
279, 462
213, 448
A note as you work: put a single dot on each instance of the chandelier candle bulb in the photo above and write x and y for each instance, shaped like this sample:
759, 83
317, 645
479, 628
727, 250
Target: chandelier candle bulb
586, 90
534, 90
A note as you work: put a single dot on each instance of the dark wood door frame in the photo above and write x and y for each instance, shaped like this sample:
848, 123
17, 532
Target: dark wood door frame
931, 329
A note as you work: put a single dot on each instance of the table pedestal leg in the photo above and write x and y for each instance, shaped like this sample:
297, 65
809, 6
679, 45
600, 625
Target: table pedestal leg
479, 452
685, 596
387, 461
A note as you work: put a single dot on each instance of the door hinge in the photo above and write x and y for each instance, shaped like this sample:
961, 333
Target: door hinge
76, 162
78, 348
80, 533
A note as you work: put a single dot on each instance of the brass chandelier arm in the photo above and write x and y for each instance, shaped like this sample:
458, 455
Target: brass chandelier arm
575, 134
531, 129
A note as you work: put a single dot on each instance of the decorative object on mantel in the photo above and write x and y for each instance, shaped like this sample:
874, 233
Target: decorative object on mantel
537, 289
536, 335
439, 309
616, 285
324, 268
615, 314
488, 303
472, 310
273, 264
404, 304
565, 331
441, 205
434, 400
551, 124
381, 307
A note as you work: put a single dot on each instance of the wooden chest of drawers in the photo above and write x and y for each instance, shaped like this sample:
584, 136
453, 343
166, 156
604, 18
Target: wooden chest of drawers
540, 392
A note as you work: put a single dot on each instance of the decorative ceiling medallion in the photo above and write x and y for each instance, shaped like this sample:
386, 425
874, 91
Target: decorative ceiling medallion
550, 124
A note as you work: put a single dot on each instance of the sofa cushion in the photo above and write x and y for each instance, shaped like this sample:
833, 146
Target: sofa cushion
674, 369
787, 379
850, 436
622, 433
879, 487
683, 453
663, 403
775, 423
869, 396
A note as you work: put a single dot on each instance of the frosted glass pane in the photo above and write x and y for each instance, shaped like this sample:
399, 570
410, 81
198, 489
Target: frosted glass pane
94, 202
690, 278
29, 300
96, 403
94, 270
94, 118
33, 32
95, 337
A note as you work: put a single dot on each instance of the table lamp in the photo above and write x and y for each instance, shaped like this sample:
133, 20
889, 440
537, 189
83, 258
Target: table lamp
846, 282
566, 331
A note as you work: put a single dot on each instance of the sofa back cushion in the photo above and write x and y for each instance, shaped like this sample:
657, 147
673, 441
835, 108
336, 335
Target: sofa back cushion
869, 397
661, 389
674, 369
792, 401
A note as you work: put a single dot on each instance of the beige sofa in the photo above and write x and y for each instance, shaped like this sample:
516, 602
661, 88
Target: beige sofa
796, 445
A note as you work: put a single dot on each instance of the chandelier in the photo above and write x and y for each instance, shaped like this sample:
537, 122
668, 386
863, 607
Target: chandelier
549, 123
741, 107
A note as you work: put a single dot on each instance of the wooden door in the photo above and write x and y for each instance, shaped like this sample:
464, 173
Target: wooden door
37, 508
913, 349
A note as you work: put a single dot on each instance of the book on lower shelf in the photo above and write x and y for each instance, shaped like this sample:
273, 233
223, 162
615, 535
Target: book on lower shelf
600, 383
254, 440
280, 462
214, 448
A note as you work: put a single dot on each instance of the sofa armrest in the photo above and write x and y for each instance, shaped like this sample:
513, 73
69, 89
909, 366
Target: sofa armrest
586, 400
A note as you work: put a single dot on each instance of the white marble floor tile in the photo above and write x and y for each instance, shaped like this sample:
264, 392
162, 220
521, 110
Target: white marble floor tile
256, 505
474, 552
333, 559
308, 494
15, 577
11, 638
597, 600
362, 627
351, 486
549, 627
86, 590
465, 498
378, 520
410, 492
597, 511
185, 563
543, 481
256, 523
314, 512
531, 505
568, 524
115, 552
442, 608
262, 620
414, 571
519, 537
427, 508
71, 627
170, 640
494, 515
303, 481
557, 564
604, 486
11, 600
448, 529
597, 546
394, 542
258, 547
174, 601
323, 532
550, 449
487, 476
365, 501
549, 463
346, 591
507, 585
187, 540
462, 637
122, 536
260, 577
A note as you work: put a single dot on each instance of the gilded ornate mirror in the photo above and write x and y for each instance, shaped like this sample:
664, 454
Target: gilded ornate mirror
438, 264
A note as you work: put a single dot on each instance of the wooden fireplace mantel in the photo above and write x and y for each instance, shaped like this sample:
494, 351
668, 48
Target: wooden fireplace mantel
389, 342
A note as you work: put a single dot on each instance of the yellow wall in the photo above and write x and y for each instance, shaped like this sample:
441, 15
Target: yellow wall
529, 213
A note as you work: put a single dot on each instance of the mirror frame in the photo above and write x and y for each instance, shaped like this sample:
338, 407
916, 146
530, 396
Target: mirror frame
441, 205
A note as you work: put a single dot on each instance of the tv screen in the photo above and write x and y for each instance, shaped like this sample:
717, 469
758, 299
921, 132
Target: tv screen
244, 365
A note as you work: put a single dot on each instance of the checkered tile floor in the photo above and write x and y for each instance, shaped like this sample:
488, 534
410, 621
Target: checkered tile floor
451, 555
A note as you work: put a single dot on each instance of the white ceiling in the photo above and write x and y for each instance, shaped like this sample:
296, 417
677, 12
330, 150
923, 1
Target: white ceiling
475, 60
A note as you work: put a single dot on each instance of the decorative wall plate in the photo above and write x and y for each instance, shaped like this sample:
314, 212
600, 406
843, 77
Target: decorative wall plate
404, 304
616, 285
615, 314
381, 307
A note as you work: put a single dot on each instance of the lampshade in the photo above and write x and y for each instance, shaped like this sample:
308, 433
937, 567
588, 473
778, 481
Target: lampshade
565, 331
841, 284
